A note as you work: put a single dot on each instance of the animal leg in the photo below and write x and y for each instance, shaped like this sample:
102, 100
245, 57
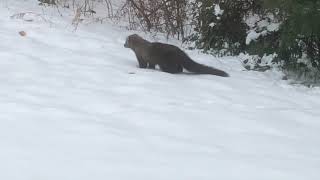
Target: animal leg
142, 63
151, 66
171, 69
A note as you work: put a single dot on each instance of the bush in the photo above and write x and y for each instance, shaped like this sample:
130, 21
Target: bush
221, 28
52, 2
220, 25
300, 39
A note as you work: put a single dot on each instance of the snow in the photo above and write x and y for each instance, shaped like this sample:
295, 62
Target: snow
260, 27
74, 105
253, 35
212, 24
251, 61
217, 10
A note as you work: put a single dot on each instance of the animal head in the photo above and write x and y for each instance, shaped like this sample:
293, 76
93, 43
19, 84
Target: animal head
130, 40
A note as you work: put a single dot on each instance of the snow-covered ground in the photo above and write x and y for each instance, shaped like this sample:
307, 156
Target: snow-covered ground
74, 106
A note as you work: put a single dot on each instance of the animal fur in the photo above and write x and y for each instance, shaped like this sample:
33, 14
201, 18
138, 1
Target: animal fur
169, 58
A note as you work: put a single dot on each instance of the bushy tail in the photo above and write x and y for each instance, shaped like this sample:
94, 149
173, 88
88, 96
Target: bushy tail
195, 67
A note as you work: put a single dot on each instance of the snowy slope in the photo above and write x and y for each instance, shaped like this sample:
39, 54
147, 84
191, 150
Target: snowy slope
74, 106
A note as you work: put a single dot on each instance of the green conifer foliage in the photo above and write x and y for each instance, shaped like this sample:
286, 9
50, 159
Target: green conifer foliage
300, 37
223, 31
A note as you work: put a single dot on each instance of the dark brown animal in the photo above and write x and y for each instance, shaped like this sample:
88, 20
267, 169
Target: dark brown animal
169, 58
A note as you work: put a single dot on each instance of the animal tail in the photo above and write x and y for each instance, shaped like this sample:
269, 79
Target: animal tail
195, 67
